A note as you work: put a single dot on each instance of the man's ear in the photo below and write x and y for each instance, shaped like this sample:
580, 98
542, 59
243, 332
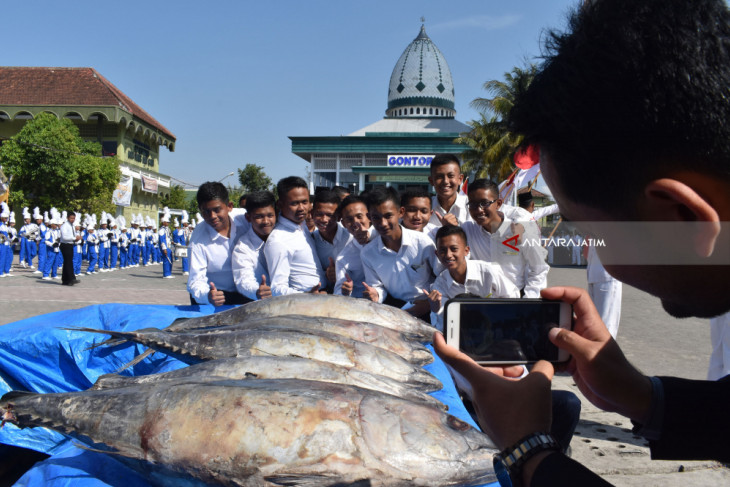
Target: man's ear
672, 200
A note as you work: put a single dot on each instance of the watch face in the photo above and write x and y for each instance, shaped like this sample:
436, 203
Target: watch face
500, 469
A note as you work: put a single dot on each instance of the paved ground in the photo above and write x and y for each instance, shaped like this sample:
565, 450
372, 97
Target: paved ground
655, 342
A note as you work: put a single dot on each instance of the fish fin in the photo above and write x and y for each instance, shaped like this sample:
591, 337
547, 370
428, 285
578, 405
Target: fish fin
313, 480
108, 381
112, 342
136, 360
78, 444
9, 396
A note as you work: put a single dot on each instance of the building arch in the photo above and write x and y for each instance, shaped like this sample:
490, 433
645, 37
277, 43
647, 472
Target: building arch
73, 116
23, 115
4, 116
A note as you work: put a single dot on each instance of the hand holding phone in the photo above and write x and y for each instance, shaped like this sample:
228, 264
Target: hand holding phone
506, 331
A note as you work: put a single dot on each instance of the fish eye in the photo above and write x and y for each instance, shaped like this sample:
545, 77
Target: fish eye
457, 424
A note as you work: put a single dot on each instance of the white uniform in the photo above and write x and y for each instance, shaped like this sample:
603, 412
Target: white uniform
292, 259
325, 250
526, 268
403, 274
720, 337
605, 291
349, 263
482, 278
460, 209
210, 259
249, 264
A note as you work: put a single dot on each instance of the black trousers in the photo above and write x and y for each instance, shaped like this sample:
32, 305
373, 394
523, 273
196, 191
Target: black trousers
67, 274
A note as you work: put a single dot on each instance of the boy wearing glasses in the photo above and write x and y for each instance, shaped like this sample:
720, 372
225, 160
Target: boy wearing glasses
494, 238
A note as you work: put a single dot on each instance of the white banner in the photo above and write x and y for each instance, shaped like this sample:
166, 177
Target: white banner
149, 184
122, 196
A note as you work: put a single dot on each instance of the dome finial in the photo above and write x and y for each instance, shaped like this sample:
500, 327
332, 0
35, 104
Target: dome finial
422, 34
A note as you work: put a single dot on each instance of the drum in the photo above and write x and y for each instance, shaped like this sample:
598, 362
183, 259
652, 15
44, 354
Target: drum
181, 251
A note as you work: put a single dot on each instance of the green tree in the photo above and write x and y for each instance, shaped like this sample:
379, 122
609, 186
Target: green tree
176, 198
52, 166
491, 144
253, 178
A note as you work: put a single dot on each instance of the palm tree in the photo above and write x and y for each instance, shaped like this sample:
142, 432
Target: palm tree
491, 144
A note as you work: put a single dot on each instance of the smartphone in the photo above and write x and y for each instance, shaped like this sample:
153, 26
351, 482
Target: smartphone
506, 331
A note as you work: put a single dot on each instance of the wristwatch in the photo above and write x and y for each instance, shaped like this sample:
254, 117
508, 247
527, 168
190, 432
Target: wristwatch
509, 462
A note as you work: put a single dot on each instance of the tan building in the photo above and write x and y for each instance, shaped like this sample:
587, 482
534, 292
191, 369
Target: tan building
103, 114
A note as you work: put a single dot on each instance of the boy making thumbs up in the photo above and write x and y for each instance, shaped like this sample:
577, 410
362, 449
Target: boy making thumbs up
248, 262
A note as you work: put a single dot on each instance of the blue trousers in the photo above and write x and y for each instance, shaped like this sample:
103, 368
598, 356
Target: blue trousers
2, 258
23, 250
77, 259
42, 256
114, 254
93, 259
167, 264
51, 267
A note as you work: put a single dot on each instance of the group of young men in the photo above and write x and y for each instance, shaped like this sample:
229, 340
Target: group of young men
105, 245
409, 250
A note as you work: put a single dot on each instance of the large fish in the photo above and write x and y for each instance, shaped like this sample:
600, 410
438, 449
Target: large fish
273, 368
375, 335
322, 305
317, 345
270, 432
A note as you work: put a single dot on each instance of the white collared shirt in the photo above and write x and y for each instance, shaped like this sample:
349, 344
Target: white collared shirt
403, 274
210, 259
325, 250
292, 259
349, 263
482, 278
460, 209
526, 268
68, 234
249, 264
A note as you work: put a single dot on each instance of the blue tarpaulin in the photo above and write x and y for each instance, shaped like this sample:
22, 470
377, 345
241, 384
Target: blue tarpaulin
38, 355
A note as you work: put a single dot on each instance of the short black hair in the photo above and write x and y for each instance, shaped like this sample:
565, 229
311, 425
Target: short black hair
487, 184
350, 200
341, 192
633, 91
288, 183
244, 198
411, 193
447, 230
70, 213
260, 199
443, 159
211, 190
380, 194
326, 196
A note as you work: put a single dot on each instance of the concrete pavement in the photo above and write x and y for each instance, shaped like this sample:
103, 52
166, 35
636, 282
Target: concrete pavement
655, 342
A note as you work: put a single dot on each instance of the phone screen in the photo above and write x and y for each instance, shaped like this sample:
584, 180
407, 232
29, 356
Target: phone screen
508, 332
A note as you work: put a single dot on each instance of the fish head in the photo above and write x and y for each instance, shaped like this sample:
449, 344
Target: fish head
426, 443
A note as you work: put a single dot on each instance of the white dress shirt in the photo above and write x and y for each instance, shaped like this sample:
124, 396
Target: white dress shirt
403, 274
249, 264
68, 234
210, 259
526, 268
482, 278
460, 209
349, 263
292, 259
325, 250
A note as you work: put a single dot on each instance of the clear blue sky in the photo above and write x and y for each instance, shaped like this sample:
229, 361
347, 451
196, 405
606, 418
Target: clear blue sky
233, 79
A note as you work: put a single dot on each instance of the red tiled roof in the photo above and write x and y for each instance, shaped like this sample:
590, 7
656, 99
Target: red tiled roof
67, 86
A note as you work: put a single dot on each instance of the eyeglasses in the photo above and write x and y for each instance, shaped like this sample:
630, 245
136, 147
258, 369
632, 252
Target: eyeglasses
482, 205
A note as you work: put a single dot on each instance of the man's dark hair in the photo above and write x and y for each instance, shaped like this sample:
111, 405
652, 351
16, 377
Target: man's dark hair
341, 192
211, 190
380, 194
634, 90
288, 183
524, 200
242, 200
483, 184
260, 199
450, 230
349, 200
443, 159
326, 196
70, 213
411, 193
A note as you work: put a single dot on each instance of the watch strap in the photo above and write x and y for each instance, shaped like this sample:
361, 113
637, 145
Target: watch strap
515, 457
